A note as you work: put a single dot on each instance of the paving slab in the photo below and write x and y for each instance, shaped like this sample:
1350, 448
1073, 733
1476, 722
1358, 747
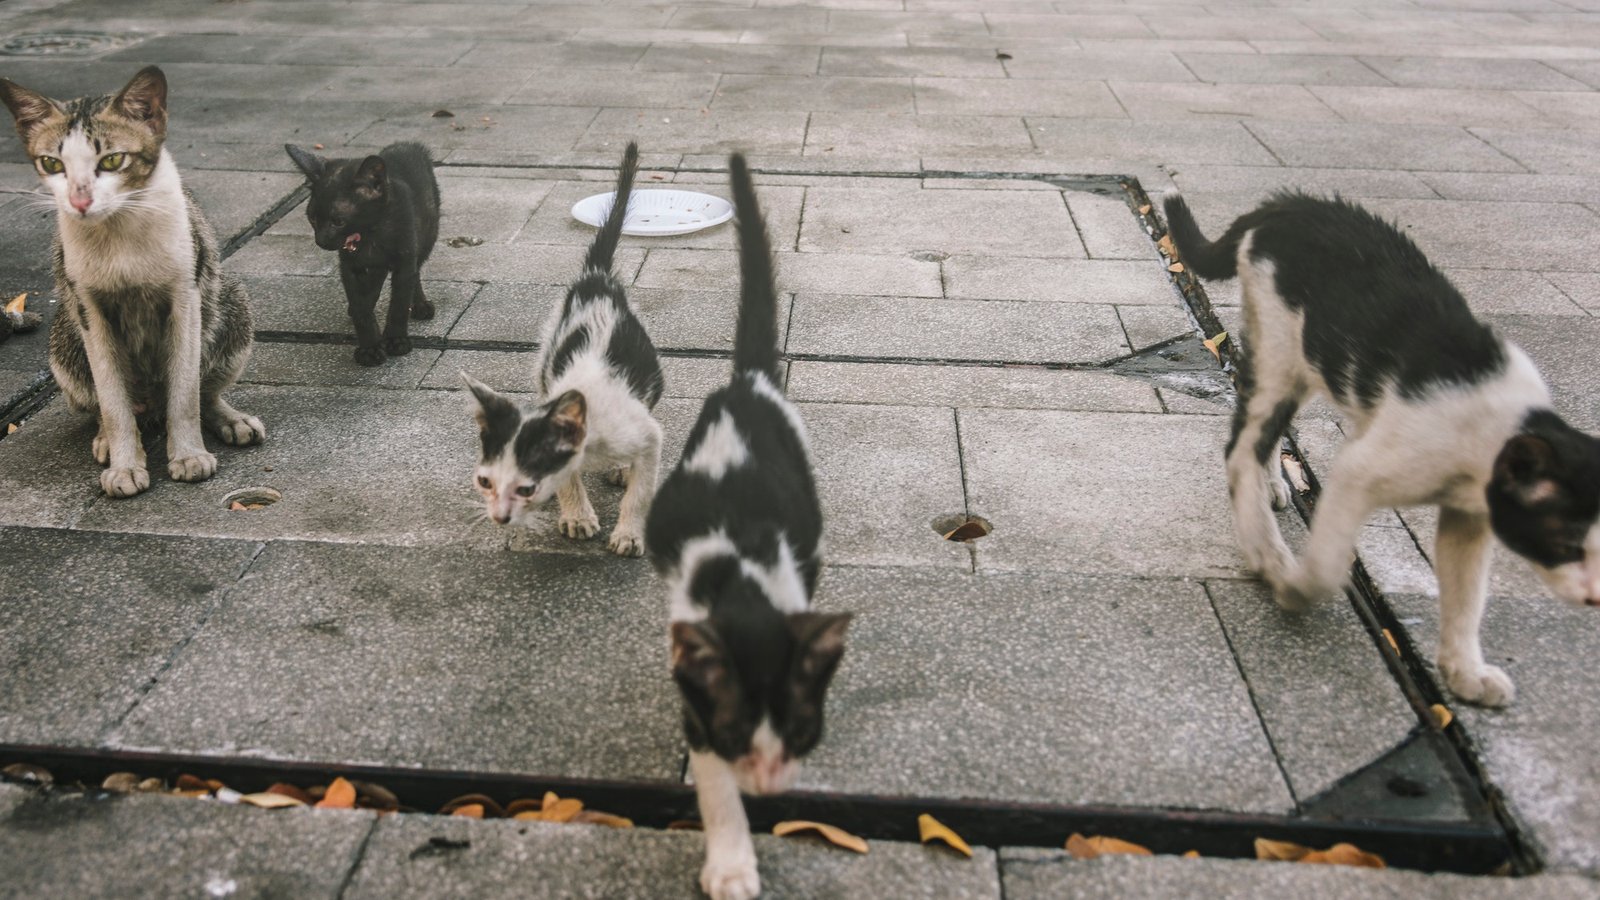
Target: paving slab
329, 364
553, 222
534, 859
1583, 288
1218, 143
317, 305
1255, 68
97, 845
1009, 387
1261, 181
1285, 102
578, 87
519, 54
1386, 146
874, 134
719, 131
1046, 61
832, 273
1147, 326
513, 371
1501, 235
1017, 97
749, 59
1063, 280
947, 62
90, 620
1109, 229
993, 223
1076, 728
811, 92
1512, 292
1490, 74
1559, 347
363, 654
525, 129
1545, 151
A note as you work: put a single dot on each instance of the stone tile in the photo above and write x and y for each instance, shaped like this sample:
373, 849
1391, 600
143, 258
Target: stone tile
1255, 68
1488, 74
1108, 227
554, 224
1262, 180
868, 134
530, 263
282, 254
948, 62
1052, 27
1221, 143
814, 38
1510, 292
1546, 152
228, 121
47, 473
98, 845
486, 209
1008, 387
1128, 494
233, 201
1497, 186
810, 92
216, 48
764, 18
327, 630
936, 223
938, 330
67, 684
329, 364
1497, 235
1429, 106
511, 54
1245, 27
407, 83
832, 273
1583, 288
749, 59
539, 129
341, 50
1285, 102
1320, 685
1057, 280
1570, 109
1086, 634
578, 87
1016, 97
1392, 146
1559, 347
501, 859
1078, 65
689, 131
1147, 326
1584, 70
317, 305
692, 377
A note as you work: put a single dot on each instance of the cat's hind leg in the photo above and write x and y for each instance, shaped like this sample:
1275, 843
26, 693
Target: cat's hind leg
1254, 471
228, 357
361, 290
627, 539
1357, 485
578, 520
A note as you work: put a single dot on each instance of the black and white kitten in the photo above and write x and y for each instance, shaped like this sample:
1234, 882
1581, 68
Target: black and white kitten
1442, 411
735, 533
599, 379
381, 214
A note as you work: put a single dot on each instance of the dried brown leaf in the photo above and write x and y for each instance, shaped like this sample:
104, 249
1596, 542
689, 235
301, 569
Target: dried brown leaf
591, 817
1175, 268
468, 811
836, 836
1214, 342
1191, 854
1389, 636
17, 304
191, 783
1099, 845
1345, 855
685, 825
270, 800
932, 829
151, 786
121, 782
1144, 210
1279, 850
1442, 716
967, 531
374, 796
340, 795
491, 809
289, 790
11, 428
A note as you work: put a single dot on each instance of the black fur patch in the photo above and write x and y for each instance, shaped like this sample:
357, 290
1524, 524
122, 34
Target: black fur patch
1544, 495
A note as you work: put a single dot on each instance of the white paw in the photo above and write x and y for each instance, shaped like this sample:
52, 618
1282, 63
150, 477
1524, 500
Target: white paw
626, 543
194, 467
580, 527
242, 432
101, 448
618, 476
731, 878
1483, 686
124, 482
1278, 486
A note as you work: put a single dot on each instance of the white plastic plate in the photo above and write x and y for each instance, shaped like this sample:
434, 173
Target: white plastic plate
657, 212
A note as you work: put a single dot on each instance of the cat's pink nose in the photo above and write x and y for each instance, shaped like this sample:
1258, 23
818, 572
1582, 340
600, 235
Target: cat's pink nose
82, 204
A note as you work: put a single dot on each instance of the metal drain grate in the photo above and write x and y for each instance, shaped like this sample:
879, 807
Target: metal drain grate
64, 43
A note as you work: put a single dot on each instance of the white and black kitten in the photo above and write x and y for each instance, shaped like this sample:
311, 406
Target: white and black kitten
1441, 411
381, 214
599, 379
735, 533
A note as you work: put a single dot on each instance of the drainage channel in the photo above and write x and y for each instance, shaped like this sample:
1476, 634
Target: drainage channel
1466, 848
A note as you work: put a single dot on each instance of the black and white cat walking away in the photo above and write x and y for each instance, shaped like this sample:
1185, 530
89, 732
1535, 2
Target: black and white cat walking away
599, 380
735, 533
148, 323
1440, 411
381, 214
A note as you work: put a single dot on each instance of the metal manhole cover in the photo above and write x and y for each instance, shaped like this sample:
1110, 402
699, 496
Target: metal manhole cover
64, 43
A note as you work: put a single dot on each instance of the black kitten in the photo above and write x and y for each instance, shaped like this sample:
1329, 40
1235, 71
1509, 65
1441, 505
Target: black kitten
382, 215
735, 532
1443, 411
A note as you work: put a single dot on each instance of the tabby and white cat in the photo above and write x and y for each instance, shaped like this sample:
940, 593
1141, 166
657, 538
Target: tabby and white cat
599, 380
1441, 411
148, 322
735, 533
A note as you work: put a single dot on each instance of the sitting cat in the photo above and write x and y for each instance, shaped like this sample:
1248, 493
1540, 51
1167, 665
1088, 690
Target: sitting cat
1442, 411
735, 533
599, 380
148, 321
381, 214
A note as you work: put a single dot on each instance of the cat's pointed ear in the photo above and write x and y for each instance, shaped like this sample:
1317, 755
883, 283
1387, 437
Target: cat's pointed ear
29, 108
306, 161
373, 175
570, 414
145, 99
698, 657
489, 405
1526, 469
821, 642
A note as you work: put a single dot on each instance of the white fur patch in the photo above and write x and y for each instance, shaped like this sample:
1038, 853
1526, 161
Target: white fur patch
721, 449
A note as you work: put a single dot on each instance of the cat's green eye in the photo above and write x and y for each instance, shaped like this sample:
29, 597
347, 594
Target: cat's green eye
111, 162
51, 166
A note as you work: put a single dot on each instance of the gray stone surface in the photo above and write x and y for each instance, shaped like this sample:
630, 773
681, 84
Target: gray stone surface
1147, 326
1381, 146
1217, 143
1059, 280
513, 371
831, 273
1009, 223
334, 364
1108, 227
363, 654
533, 859
317, 304
1076, 727
1166, 101
1009, 387
1428, 106
1006, 96
85, 845
1558, 348
89, 621
1255, 68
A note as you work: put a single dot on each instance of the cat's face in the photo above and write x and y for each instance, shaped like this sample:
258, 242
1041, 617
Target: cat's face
524, 457
753, 687
95, 154
349, 197
1544, 501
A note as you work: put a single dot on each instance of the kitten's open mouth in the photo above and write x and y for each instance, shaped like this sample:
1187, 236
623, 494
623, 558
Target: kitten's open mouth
351, 242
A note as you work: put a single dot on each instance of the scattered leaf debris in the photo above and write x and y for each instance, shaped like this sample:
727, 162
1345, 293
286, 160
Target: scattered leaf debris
1214, 342
685, 825
269, 800
318, 147
1144, 210
1002, 55
121, 782
932, 829
836, 836
1166, 247
11, 428
1389, 636
28, 773
1442, 716
1175, 268
1191, 854
1338, 854
18, 304
468, 811
1099, 845
968, 531
465, 241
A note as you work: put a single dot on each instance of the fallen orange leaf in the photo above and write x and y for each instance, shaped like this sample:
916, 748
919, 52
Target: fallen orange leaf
289, 790
1338, 854
191, 783
270, 800
590, 817
932, 829
1191, 854
469, 811
1175, 268
11, 428
1214, 342
1442, 716
1098, 845
836, 836
1144, 210
1166, 246
18, 304
1389, 636
340, 795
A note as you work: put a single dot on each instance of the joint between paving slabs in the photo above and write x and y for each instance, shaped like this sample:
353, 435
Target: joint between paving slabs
966, 500
356, 858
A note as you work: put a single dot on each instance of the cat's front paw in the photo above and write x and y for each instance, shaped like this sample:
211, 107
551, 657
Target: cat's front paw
124, 482
101, 448
1483, 685
194, 467
421, 310
399, 345
731, 878
1278, 487
626, 543
1291, 593
242, 432
579, 527
370, 356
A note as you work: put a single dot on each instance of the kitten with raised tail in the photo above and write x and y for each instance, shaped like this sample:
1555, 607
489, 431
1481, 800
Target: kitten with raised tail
599, 381
1441, 411
381, 215
148, 321
735, 533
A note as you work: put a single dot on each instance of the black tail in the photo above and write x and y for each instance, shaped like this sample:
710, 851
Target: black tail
755, 342
604, 248
1208, 259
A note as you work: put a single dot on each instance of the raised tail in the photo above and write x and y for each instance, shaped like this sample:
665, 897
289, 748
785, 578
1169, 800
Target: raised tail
755, 342
604, 248
1208, 259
